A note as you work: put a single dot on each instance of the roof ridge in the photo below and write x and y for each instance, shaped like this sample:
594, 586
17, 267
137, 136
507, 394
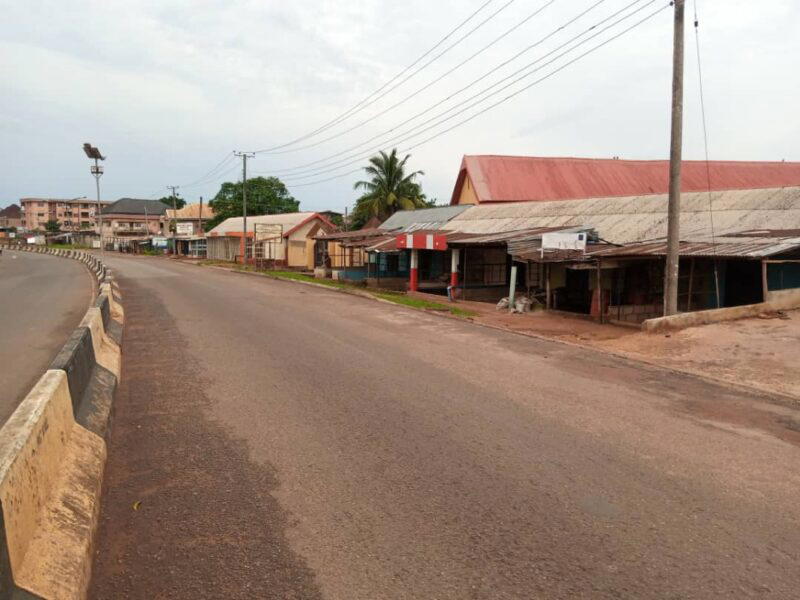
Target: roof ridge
630, 160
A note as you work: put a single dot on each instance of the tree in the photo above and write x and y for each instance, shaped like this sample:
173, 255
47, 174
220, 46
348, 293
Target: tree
388, 190
179, 202
52, 226
265, 196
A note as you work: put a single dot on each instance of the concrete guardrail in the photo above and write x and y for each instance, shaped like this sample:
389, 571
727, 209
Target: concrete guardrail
53, 453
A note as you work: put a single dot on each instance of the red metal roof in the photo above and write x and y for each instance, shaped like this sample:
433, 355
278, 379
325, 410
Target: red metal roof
524, 178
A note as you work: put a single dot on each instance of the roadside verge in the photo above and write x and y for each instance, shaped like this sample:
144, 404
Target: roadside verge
53, 453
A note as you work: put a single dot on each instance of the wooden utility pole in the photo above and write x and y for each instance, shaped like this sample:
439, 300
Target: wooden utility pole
675, 157
174, 189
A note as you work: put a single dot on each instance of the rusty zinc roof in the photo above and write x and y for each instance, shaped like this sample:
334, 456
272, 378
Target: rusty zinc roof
191, 211
640, 218
530, 178
726, 248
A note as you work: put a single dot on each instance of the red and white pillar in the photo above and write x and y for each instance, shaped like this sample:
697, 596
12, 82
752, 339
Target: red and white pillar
454, 267
413, 284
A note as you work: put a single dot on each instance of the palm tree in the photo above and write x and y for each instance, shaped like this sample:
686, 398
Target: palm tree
389, 189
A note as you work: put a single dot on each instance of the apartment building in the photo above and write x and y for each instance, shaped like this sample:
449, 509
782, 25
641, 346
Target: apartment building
75, 214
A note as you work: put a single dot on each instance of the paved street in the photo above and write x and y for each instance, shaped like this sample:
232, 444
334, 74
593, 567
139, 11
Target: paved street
42, 299
275, 440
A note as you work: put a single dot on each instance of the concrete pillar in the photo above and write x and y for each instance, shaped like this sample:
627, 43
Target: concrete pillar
454, 267
513, 288
413, 284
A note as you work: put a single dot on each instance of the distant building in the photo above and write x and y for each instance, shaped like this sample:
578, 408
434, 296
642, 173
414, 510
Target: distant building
188, 225
190, 219
132, 219
11, 216
71, 215
277, 240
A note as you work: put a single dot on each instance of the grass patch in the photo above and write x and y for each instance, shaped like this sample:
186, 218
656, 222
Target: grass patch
396, 297
294, 276
423, 304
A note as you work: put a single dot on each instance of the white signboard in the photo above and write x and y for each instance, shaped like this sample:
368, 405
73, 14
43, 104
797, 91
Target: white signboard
267, 231
12, 234
184, 228
563, 241
31, 240
95, 243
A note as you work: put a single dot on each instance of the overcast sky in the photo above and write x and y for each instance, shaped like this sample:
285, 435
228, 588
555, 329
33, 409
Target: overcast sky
166, 88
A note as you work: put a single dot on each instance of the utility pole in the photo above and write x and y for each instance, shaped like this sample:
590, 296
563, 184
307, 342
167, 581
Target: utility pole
174, 219
245, 156
675, 157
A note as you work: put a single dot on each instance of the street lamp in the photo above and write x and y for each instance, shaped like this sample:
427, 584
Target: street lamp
97, 170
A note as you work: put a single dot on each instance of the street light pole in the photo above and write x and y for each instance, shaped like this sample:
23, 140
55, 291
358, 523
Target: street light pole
97, 170
675, 157
97, 174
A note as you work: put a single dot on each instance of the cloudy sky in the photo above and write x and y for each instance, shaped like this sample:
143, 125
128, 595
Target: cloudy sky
167, 89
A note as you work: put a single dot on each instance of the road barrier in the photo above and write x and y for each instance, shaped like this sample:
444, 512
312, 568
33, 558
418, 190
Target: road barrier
776, 300
53, 453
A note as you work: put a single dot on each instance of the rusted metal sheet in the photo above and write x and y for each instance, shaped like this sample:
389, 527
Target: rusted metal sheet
635, 219
725, 248
527, 179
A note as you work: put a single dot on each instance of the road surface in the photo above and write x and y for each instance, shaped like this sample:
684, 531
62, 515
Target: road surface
42, 299
275, 440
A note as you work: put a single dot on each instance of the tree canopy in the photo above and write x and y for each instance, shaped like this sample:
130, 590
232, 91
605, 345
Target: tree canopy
265, 196
388, 189
52, 226
179, 202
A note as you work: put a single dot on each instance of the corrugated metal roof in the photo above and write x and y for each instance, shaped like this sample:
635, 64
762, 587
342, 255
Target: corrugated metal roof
135, 206
345, 235
525, 236
423, 218
641, 218
526, 178
742, 248
191, 211
288, 220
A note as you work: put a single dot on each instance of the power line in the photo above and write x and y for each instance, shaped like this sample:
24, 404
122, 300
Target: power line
438, 119
200, 180
705, 145
358, 105
506, 98
305, 167
427, 85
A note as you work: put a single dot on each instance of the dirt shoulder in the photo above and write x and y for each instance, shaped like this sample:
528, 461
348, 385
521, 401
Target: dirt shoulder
760, 353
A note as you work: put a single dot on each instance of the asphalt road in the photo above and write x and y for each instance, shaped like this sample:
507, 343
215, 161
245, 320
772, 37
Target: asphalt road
275, 440
42, 299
